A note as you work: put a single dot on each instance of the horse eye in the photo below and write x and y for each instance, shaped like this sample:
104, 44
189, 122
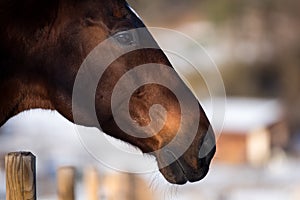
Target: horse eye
125, 38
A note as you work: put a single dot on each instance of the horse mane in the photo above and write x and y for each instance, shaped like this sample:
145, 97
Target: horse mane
26, 12
20, 22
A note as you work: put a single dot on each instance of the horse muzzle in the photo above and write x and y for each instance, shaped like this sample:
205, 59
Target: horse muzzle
189, 167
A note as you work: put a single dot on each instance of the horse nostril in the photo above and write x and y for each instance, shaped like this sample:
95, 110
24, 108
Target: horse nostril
208, 148
210, 155
202, 162
205, 161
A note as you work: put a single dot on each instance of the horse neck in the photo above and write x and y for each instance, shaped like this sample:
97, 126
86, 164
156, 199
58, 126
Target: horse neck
20, 94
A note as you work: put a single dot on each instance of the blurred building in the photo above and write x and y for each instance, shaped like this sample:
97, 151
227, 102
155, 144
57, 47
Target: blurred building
245, 137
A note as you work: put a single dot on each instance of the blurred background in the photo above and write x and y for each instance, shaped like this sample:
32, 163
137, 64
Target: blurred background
256, 47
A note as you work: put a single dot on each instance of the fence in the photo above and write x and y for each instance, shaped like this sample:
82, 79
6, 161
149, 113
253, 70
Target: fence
21, 182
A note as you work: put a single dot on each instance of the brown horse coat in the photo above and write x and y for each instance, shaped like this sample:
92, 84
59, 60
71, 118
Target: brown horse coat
42, 46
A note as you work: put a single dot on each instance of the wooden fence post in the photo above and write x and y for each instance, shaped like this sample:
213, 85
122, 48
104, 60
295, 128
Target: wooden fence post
66, 183
20, 176
92, 183
125, 186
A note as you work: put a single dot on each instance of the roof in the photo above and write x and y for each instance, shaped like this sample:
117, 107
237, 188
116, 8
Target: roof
242, 114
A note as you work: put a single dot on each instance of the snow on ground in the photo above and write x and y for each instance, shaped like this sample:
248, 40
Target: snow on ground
55, 143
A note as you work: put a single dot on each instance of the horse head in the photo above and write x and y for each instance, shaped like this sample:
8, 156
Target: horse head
44, 45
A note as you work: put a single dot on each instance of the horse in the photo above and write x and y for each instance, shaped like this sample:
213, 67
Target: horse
43, 45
